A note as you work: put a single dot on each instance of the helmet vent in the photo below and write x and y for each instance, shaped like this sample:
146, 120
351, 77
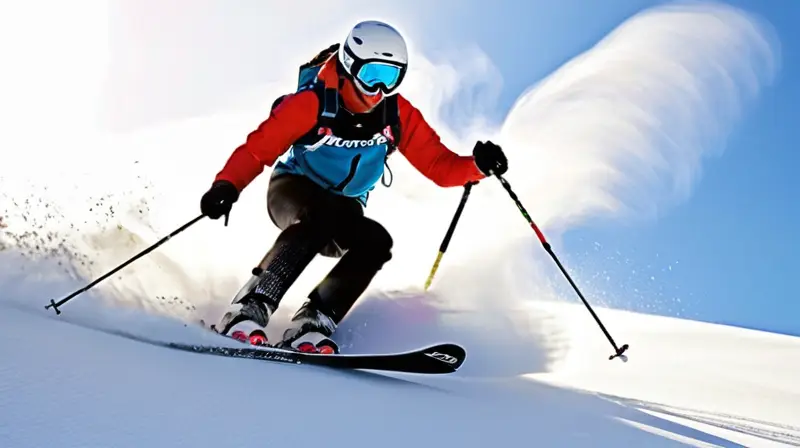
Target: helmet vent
358, 40
388, 55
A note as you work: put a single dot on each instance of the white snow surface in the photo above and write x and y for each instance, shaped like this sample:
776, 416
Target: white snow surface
65, 384
619, 132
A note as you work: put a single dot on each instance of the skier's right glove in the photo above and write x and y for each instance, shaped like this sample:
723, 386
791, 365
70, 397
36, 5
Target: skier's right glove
219, 199
490, 158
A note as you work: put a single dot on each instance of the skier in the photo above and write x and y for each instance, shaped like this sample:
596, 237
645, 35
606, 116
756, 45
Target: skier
335, 134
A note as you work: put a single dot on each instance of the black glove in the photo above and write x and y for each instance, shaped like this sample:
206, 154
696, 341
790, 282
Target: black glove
219, 199
490, 158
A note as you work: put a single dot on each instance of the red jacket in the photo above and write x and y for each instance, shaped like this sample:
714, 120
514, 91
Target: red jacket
297, 115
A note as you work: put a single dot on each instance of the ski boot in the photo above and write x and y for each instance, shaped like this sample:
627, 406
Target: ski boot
310, 331
247, 320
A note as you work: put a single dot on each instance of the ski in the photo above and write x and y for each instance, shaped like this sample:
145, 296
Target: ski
435, 359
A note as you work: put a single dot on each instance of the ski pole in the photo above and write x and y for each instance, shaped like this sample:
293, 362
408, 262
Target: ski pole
618, 350
449, 234
180, 229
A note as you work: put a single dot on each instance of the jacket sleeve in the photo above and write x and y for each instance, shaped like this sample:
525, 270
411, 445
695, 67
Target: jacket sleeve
423, 148
289, 121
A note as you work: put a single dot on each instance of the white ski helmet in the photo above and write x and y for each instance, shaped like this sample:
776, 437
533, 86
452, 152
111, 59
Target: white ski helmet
375, 57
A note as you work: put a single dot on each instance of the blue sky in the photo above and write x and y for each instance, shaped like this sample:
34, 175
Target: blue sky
729, 253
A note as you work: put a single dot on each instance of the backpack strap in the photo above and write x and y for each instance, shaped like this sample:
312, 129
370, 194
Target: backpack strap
391, 114
328, 101
392, 118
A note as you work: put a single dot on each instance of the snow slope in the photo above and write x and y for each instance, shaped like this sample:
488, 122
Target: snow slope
65, 384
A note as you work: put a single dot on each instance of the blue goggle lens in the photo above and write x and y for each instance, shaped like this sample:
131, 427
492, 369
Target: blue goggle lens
374, 73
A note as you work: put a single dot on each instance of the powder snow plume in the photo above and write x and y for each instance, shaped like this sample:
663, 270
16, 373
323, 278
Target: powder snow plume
619, 131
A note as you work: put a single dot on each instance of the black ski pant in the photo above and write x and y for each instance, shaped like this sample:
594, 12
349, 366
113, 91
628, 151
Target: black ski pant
316, 221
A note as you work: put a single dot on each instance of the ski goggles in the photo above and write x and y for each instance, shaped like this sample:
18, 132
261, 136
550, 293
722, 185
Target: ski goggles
373, 75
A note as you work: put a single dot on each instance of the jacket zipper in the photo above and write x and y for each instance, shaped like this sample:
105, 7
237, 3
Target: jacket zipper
350, 175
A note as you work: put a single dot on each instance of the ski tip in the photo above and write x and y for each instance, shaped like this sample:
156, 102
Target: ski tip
452, 355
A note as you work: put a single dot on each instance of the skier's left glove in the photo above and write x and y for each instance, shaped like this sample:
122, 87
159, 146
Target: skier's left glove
490, 158
219, 199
